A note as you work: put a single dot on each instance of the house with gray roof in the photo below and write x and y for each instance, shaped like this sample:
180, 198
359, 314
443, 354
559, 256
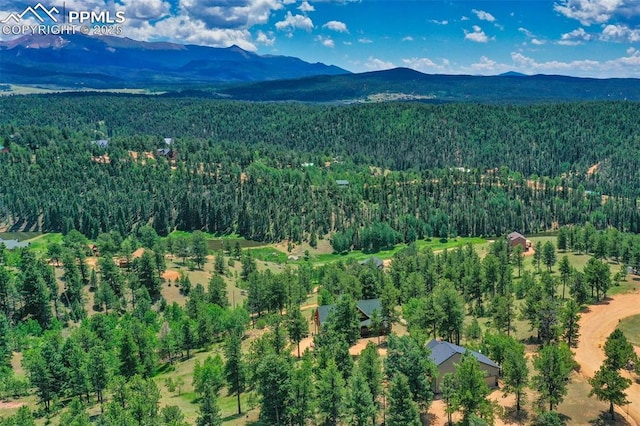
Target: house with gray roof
446, 356
365, 309
14, 244
375, 261
101, 143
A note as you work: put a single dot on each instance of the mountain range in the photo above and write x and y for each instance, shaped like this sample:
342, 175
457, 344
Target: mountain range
107, 62
403, 84
116, 62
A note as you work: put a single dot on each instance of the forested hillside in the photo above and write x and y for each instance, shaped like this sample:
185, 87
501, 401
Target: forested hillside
239, 167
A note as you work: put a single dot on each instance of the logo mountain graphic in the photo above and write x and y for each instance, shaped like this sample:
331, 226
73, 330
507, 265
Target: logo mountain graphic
17, 17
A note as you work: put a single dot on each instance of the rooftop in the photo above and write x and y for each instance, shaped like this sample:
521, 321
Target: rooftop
442, 351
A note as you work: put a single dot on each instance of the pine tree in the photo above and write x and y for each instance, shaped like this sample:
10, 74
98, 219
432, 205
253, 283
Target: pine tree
235, 368
402, 410
553, 364
608, 385
359, 400
209, 410
331, 397
217, 291
515, 374
471, 388
297, 326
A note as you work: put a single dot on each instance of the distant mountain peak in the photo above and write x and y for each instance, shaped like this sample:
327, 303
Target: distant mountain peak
512, 74
118, 61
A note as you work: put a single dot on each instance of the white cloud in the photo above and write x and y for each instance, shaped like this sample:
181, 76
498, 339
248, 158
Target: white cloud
477, 35
375, 64
365, 40
407, 38
426, 65
338, 26
484, 16
590, 11
538, 42
575, 37
306, 7
229, 13
625, 66
526, 32
325, 41
443, 22
146, 9
265, 39
464, 18
183, 29
293, 22
620, 33
485, 65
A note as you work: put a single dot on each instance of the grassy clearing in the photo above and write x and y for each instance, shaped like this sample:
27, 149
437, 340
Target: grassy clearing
630, 326
20, 236
434, 244
268, 254
40, 242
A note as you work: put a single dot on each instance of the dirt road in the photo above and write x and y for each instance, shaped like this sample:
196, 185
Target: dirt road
595, 326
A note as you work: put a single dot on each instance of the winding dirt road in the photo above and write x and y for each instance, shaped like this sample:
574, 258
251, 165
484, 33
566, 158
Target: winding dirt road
595, 326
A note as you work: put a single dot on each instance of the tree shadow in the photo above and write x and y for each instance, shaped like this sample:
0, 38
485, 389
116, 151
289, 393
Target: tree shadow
604, 419
510, 415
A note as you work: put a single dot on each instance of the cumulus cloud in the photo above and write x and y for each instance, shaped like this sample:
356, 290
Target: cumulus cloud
364, 40
594, 11
293, 22
486, 66
185, 30
531, 36
426, 65
407, 38
620, 33
477, 35
338, 26
484, 16
146, 9
375, 64
306, 7
229, 13
443, 22
625, 66
265, 39
325, 41
575, 37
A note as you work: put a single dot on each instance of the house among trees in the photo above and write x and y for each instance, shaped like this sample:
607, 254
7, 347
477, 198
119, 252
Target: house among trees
101, 143
342, 183
373, 260
168, 141
517, 239
446, 355
365, 309
13, 244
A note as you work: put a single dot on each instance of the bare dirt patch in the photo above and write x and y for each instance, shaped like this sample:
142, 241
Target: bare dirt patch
593, 169
9, 405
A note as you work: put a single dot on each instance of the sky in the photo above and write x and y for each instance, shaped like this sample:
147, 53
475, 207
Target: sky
585, 38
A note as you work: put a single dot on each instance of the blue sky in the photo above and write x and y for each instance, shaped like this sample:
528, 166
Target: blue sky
590, 38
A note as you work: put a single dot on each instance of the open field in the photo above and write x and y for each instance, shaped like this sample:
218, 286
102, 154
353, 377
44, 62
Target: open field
630, 326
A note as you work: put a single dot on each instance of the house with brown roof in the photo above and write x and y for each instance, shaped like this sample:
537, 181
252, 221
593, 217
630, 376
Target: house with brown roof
517, 239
